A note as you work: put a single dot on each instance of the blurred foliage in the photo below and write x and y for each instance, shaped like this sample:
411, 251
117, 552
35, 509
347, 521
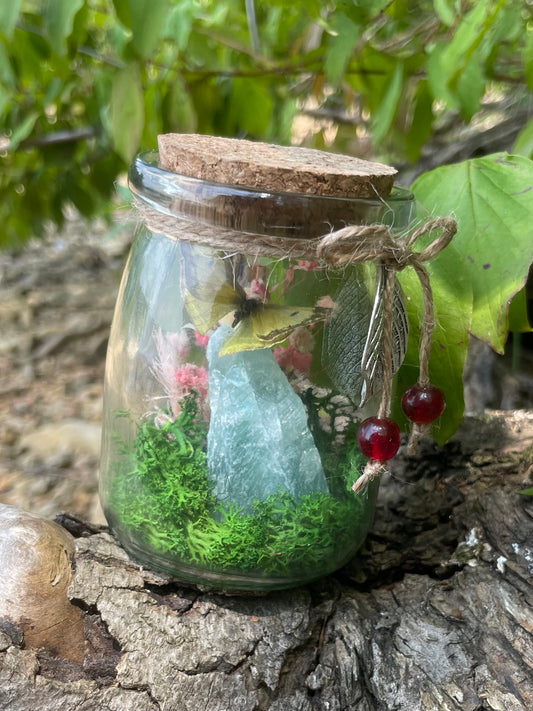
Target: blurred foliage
85, 84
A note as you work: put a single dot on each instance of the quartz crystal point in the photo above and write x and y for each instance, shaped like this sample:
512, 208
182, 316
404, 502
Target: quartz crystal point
258, 441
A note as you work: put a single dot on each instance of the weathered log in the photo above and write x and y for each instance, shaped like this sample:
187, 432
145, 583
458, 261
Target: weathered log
435, 614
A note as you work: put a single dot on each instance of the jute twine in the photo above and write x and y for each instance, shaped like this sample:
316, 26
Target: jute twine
349, 245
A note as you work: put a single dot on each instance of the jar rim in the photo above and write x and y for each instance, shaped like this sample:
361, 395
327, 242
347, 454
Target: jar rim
149, 161
280, 214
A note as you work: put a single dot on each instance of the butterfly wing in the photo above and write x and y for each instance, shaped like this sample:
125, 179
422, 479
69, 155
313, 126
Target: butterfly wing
211, 289
205, 313
212, 292
269, 325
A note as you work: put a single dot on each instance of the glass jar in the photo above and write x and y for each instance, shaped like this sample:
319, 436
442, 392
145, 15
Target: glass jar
232, 384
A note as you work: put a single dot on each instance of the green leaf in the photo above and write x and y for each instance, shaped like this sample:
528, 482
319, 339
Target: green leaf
179, 109
4, 102
153, 114
251, 106
468, 31
452, 295
53, 91
179, 21
363, 11
528, 60
526, 492
422, 122
491, 199
80, 198
524, 141
340, 47
471, 86
456, 68
439, 70
9, 12
7, 76
281, 125
58, 20
518, 316
81, 26
445, 10
123, 12
23, 130
207, 102
384, 116
146, 19
127, 112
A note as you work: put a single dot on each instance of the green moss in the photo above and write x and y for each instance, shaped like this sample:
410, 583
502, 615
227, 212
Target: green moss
161, 496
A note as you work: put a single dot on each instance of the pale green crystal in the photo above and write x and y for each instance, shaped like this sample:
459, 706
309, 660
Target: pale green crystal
258, 441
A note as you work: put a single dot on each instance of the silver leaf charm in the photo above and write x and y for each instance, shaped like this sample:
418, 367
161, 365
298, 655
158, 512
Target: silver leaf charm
346, 334
372, 363
353, 340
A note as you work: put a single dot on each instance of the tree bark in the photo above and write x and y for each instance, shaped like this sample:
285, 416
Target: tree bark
434, 614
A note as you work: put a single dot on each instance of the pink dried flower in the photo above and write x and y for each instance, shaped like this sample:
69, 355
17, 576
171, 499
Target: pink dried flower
193, 377
282, 356
307, 266
190, 378
292, 360
326, 302
170, 350
259, 288
200, 339
302, 339
301, 362
172, 346
177, 378
289, 278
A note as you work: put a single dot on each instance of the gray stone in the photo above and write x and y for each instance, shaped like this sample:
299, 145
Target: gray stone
259, 441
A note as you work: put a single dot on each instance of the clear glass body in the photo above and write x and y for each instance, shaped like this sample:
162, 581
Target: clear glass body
229, 439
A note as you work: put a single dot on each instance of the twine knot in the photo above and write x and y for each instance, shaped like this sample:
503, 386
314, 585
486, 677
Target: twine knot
361, 243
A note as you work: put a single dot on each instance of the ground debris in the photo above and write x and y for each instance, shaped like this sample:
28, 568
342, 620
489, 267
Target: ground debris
56, 303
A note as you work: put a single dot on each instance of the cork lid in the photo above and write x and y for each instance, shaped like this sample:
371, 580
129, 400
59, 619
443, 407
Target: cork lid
262, 166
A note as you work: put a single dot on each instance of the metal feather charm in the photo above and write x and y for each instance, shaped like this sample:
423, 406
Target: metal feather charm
345, 336
372, 365
353, 340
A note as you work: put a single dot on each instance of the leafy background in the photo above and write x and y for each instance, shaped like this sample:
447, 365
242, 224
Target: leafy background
86, 84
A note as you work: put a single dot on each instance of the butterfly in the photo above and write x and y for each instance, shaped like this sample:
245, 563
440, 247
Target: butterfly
213, 294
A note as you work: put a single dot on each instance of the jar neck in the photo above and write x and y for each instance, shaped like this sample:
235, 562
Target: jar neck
250, 212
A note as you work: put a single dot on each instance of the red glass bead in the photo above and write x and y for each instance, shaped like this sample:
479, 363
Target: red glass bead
423, 403
379, 438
